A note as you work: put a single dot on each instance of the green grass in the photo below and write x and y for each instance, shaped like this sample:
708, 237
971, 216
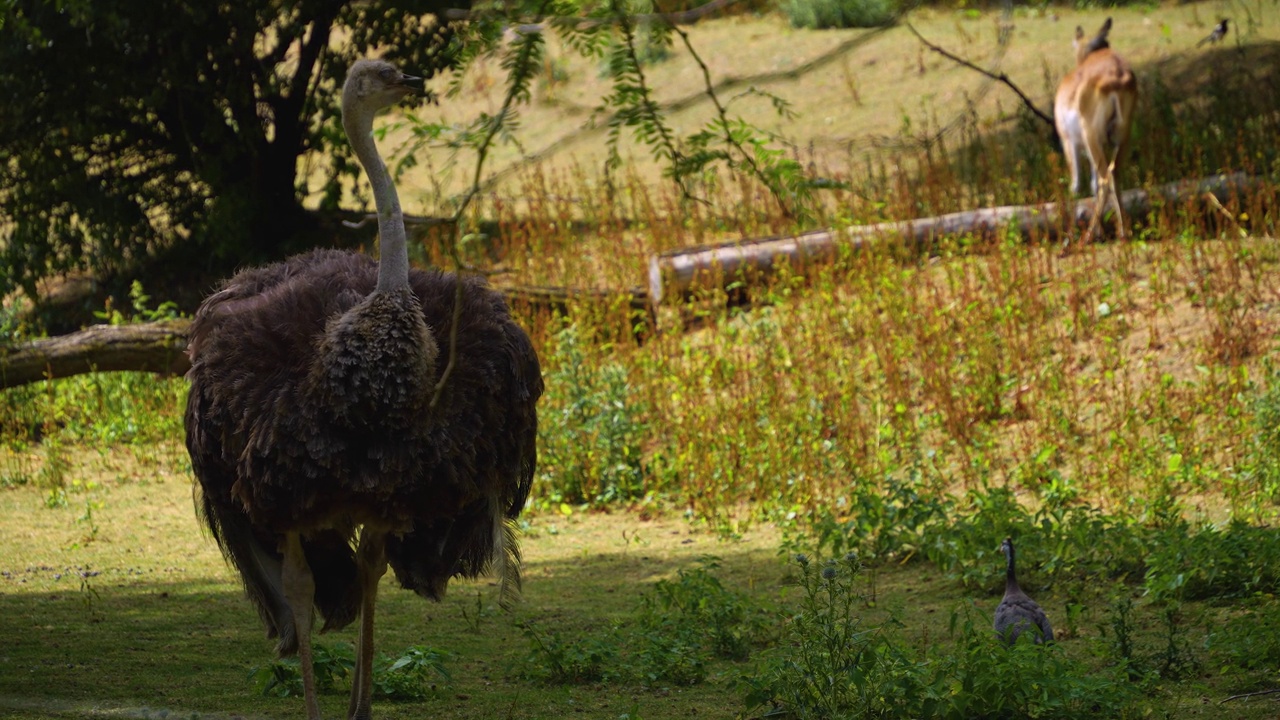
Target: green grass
162, 624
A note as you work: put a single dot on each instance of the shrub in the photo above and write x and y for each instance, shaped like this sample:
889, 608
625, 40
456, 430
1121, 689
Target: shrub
830, 664
1264, 450
823, 14
1236, 561
589, 444
697, 608
979, 677
1250, 640
557, 661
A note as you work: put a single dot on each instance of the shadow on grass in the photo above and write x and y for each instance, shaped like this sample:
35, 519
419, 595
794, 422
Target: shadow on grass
126, 648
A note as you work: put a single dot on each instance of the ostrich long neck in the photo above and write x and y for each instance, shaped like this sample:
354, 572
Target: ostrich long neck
393, 249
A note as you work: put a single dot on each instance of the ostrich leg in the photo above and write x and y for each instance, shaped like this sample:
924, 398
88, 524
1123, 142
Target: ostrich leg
300, 592
371, 559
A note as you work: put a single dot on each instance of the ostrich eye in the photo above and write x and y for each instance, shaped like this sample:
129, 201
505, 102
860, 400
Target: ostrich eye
387, 74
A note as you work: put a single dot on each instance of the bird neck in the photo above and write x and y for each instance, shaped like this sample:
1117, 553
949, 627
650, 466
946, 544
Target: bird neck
1010, 580
393, 249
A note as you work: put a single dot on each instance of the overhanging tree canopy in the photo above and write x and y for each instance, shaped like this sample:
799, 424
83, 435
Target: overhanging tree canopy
173, 127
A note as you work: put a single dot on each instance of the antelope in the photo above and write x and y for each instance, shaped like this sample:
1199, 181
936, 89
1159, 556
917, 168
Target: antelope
1093, 111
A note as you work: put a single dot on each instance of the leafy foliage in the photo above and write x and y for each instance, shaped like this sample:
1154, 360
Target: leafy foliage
1237, 560
411, 676
833, 664
1250, 640
698, 607
332, 665
677, 631
415, 675
979, 678
822, 14
138, 129
1264, 450
560, 661
590, 440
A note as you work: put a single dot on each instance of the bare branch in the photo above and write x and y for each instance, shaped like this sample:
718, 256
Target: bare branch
1251, 694
1000, 78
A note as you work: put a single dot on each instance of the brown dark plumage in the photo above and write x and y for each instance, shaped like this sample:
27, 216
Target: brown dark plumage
1017, 612
319, 454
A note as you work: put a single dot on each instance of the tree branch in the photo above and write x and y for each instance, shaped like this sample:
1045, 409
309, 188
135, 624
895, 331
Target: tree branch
1001, 77
722, 113
1252, 694
592, 128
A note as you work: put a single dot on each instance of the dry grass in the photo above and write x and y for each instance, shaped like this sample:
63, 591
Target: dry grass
853, 92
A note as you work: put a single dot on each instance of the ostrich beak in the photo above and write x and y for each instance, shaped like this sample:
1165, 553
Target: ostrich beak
414, 86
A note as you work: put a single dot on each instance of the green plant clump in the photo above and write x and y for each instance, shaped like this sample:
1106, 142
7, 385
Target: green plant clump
834, 665
831, 664
589, 444
415, 675
701, 611
824, 14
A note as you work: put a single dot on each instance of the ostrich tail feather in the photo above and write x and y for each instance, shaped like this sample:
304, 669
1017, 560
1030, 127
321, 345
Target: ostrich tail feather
506, 556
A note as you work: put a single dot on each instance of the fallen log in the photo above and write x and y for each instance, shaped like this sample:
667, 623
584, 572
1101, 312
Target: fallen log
679, 274
160, 347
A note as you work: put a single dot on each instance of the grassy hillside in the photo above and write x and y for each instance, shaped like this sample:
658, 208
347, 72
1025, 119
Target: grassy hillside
854, 93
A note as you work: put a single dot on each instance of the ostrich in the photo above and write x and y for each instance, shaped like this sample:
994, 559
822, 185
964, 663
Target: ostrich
1017, 612
326, 445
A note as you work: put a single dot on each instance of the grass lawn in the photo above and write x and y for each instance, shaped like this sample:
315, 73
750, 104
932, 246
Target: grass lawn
160, 628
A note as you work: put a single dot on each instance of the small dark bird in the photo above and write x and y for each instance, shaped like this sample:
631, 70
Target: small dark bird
347, 414
1017, 612
1219, 32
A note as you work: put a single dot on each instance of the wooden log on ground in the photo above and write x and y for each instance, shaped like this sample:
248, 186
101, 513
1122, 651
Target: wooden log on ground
160, 347
678, 274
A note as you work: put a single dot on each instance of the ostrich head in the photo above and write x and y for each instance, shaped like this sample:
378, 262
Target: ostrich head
373, 85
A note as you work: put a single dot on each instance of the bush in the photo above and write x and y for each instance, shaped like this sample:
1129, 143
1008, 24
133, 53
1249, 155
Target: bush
1236, 561
701, 611
831, 665
589, 440
1264, 451
980, 678
823, 14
